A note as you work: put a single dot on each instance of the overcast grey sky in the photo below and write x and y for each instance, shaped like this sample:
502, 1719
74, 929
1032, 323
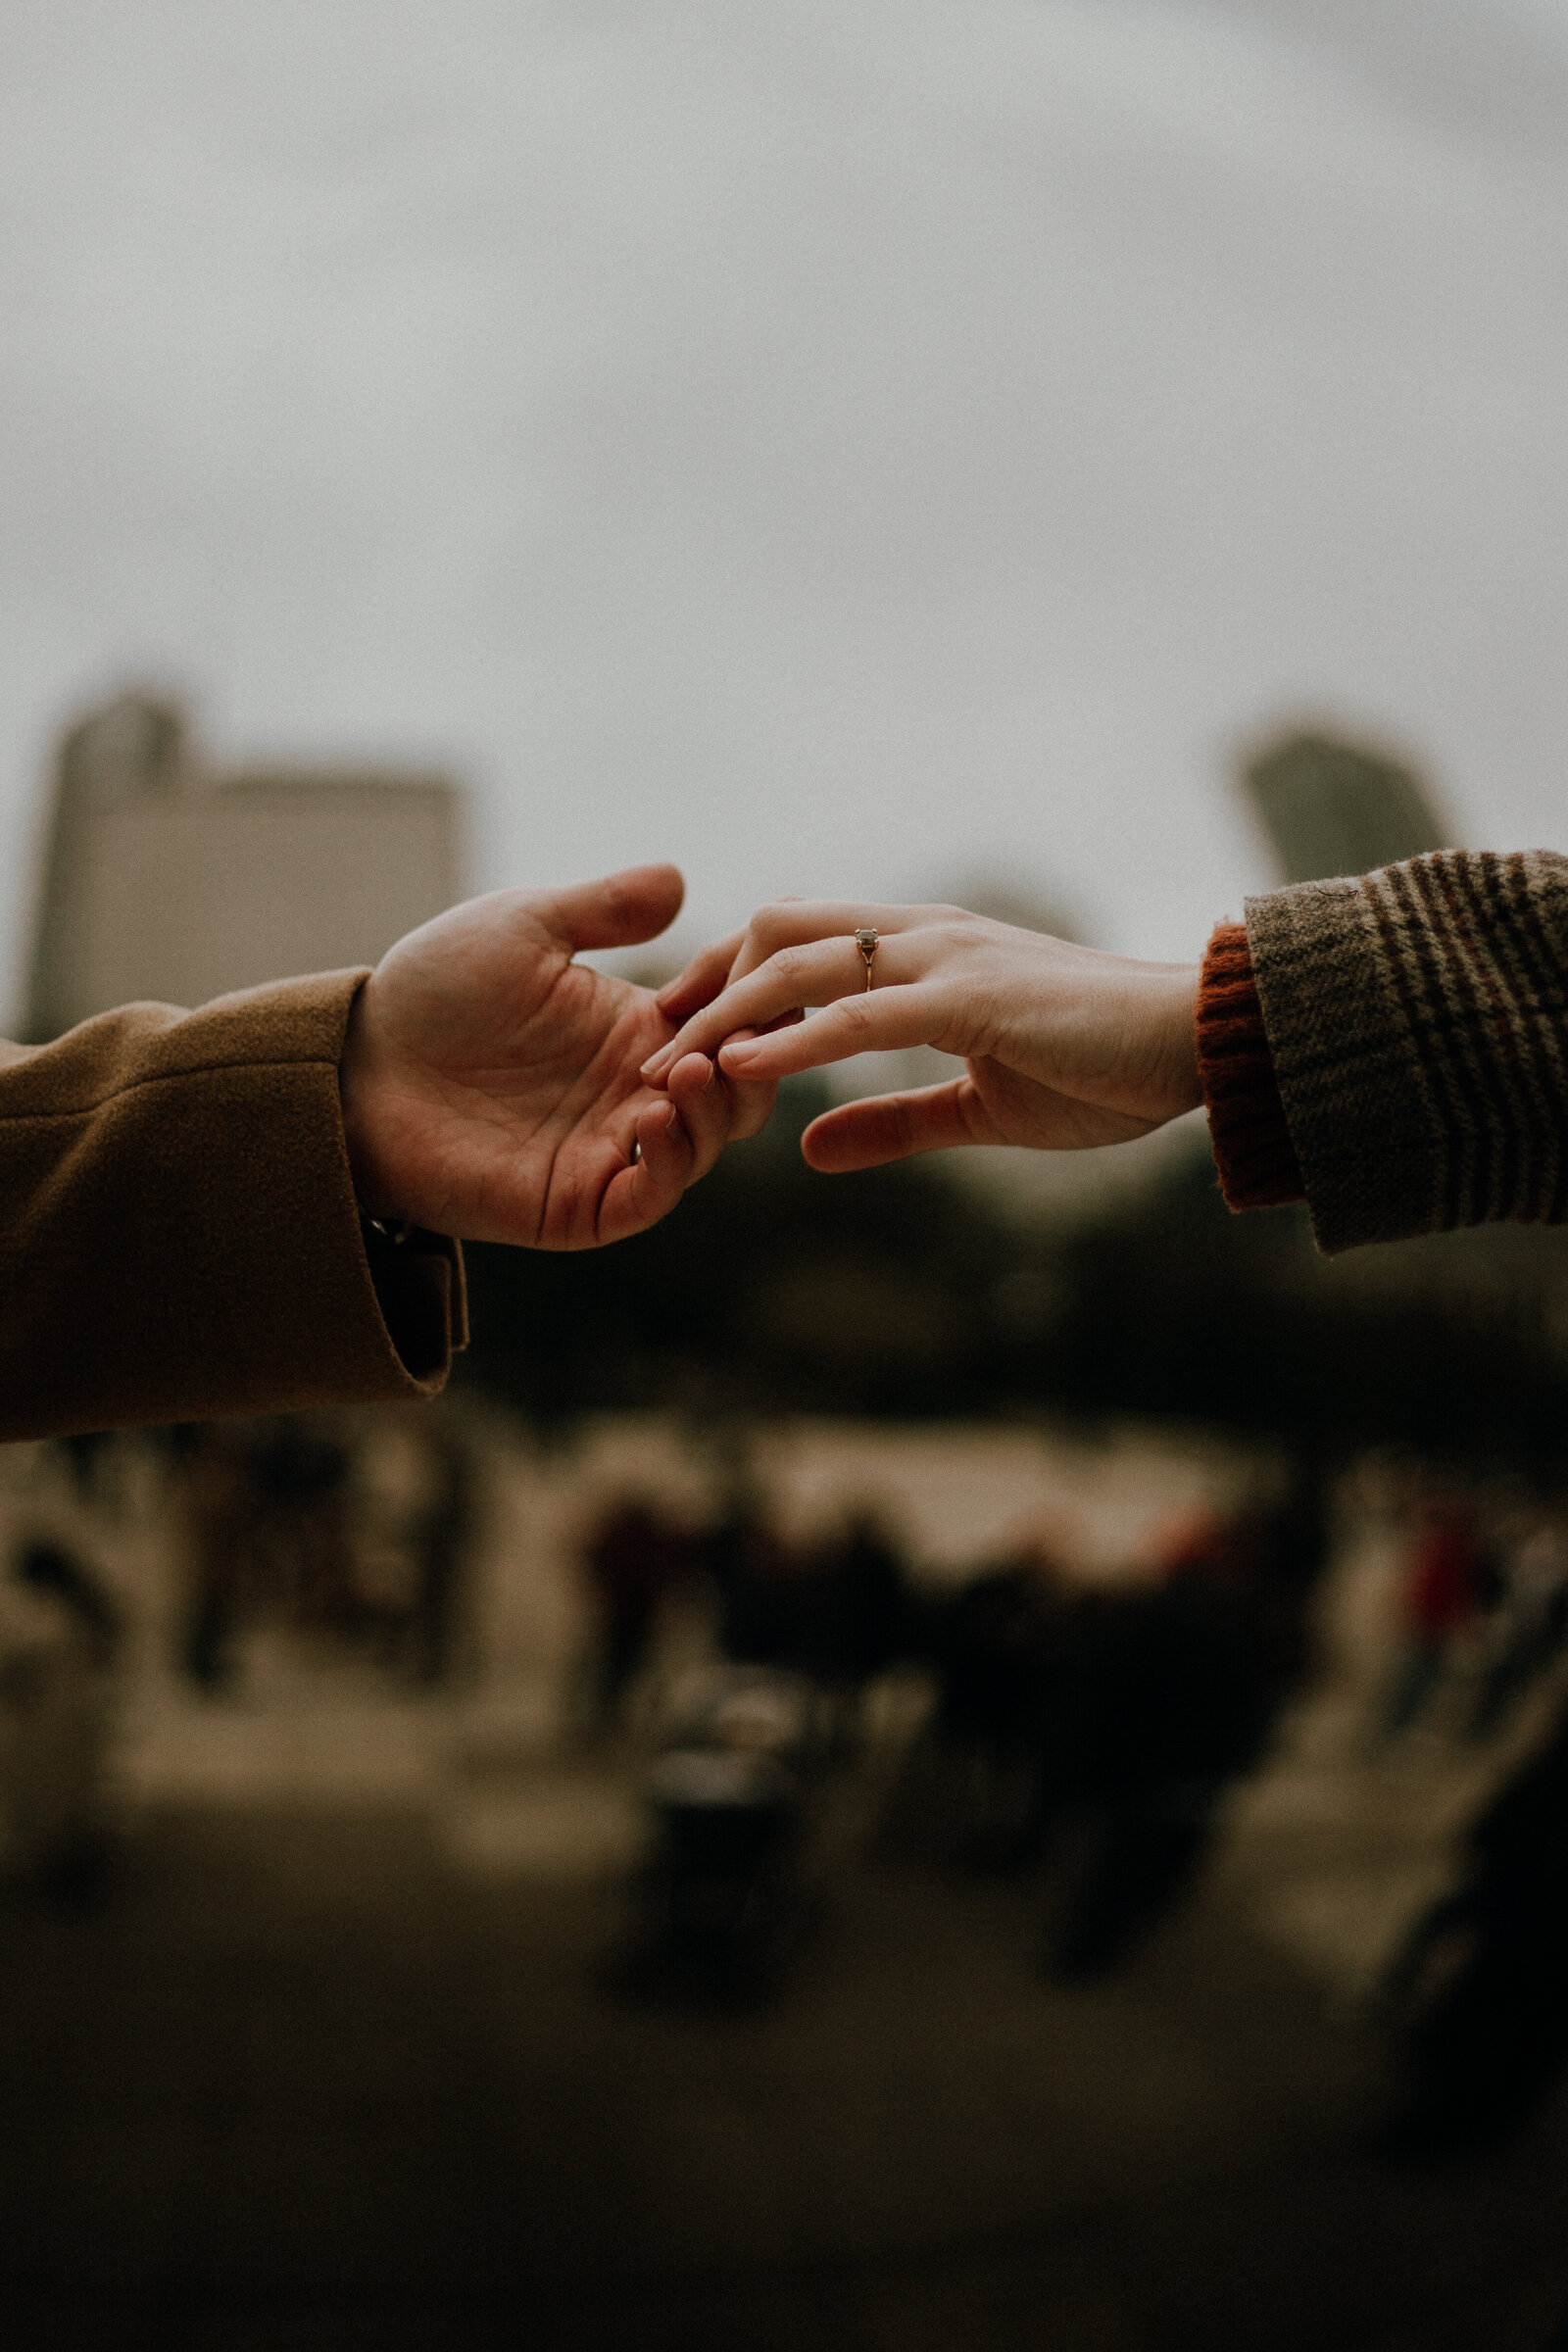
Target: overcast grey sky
844, 447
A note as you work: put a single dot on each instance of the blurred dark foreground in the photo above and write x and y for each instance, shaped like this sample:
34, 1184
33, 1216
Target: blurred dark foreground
305, 2087
962, 1784
750, 1928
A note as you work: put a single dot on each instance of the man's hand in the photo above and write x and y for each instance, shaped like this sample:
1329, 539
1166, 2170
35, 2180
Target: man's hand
491, 1086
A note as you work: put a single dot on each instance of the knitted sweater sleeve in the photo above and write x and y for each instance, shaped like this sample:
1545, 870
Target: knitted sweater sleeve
1253, 1147
1396, 1044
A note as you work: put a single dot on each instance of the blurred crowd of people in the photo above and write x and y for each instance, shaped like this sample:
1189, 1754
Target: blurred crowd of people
1087, 1729
351, 1529
1082, 1729
835, 1608
1476, 1992
1093, 1731
353, 1526
1088, 1733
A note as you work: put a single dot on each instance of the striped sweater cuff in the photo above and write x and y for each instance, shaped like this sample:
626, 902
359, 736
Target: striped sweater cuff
1252, 1143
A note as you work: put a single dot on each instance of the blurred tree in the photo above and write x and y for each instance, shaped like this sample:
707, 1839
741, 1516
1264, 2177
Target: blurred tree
1009, 900
1331, 806
771, 1285
901, 1292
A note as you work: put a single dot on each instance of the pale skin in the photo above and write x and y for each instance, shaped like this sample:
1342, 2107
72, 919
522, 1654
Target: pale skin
491, 1085
1063, 1048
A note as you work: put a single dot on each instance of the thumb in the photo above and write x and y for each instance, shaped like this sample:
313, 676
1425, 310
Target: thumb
884, 1127
620, 910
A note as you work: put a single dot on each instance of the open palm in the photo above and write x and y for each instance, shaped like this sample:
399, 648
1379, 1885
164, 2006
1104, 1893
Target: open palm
491, 1083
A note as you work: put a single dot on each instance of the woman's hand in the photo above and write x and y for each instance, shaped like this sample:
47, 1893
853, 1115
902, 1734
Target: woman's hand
1064, 1047
491, 1085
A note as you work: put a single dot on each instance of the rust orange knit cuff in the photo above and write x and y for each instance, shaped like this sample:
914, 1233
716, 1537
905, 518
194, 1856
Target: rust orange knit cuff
1253, 1147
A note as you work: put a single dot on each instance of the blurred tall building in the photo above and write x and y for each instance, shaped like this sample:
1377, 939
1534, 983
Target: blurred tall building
165, 879
1332, 808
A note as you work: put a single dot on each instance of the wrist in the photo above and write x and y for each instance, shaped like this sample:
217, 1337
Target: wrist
1180, 1078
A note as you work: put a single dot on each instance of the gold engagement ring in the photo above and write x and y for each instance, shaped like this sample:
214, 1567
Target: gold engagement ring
865, 941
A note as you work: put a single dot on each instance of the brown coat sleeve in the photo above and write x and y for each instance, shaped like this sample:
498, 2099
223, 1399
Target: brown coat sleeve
178, 1233
1417, 1023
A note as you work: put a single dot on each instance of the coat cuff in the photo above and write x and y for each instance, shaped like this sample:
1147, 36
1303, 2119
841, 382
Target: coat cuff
1246, 1125
419, 1284
178, 1233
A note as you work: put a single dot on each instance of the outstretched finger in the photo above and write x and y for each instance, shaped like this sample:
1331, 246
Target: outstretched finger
776, 925
802, 922
700, 983
716, 1110
884, 1127
707, 1105
815, 974
648, 1188
753, 1101
879, 1023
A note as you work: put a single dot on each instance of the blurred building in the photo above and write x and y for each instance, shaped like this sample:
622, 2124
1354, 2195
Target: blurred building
167, 879
1334, 808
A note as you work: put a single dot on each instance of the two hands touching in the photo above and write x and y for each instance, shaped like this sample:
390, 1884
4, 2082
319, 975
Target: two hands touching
491, 1083
497, 1090
1063, 1047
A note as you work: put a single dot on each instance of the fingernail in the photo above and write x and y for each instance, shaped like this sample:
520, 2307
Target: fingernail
651, 1066
736, 1057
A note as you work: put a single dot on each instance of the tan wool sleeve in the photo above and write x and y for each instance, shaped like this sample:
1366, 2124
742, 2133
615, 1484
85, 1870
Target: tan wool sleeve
1417, 1022
178, 1233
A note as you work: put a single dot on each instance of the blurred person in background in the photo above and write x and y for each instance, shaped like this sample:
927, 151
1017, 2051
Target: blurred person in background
356, 1528
1098, 1729
61, 1631
266, 1534
748, 1564
67, 1578
299, 1466
1448, 1585
1004, 1650
855, 1621
444, 1542
1170, 1692
832, 1610
635, 1557
1531, 1618
256, 1207
1476, 1988
211, 1480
